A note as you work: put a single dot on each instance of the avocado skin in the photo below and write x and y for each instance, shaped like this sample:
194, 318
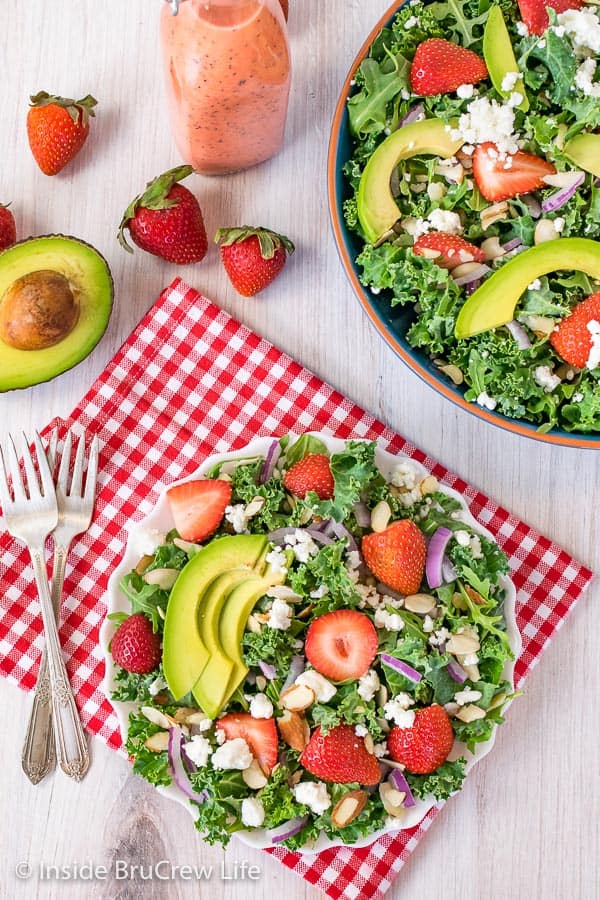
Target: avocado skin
499, 56
24, 368
493, 304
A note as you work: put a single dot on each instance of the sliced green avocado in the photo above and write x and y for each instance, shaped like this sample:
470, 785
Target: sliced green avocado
499, 56
584, 151
90, 284
494, 303
377, 209
184, 651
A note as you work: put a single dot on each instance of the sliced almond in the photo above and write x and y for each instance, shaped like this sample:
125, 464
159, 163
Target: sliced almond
348, 808
459, 601
449, 369
472, 672
498, 700
261, 682
254, 776
562, 179
369, 743
295, 777
545, 231
294, 730
186, 546
392, 799
157, 742
462, 643
254, 507
253, 625
382, 695
428, 485
196, 718
392, 763
451, 708
465, 268
305, 613
143, 564
162, 578
542, 326
475, 596
436, 190
297, 698
470, 713
420, 603
494, 213
157, 717
380, 516
182, 714
492, 248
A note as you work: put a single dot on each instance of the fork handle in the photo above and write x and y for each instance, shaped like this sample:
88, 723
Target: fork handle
38, 757
71, 746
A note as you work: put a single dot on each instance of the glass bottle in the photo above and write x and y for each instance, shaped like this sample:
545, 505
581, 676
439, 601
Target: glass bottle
227, 71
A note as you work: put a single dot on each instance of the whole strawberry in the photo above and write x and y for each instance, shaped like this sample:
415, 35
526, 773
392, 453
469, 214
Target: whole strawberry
166, 220
135, 647
573, 338
425, 745
311, 473
439, 67
8, 230
340, 756
57, 128
252, 257
396, 556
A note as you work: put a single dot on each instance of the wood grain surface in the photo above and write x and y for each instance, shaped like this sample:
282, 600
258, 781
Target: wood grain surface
526, 824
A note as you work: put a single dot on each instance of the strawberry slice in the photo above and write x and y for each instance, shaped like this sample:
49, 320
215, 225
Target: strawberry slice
312, 473
341, 644
572, 339
396, 556
198, 507
425, 745
340, 756
452, 249
501, 177
260, 735
535, 16
439, 66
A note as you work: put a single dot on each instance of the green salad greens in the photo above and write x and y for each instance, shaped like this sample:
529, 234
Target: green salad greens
517, 372
445, 648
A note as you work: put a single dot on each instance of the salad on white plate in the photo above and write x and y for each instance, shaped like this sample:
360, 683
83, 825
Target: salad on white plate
309, 643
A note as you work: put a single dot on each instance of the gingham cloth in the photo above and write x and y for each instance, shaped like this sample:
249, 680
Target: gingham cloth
190, 381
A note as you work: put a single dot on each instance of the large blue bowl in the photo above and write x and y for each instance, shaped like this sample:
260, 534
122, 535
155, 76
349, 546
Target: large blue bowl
393, 323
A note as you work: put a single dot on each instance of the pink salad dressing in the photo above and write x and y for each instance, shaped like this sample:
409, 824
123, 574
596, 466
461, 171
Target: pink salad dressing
227, 69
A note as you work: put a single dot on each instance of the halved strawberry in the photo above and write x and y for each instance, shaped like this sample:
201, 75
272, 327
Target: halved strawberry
439, 66
312, 473
452, 249
341, 644
424, 746
572, 339
198, 507
502, 177
535, 16
396, 556
340, 756
260, 735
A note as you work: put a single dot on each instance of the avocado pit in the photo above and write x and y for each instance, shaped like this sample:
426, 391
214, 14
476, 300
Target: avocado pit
38, 311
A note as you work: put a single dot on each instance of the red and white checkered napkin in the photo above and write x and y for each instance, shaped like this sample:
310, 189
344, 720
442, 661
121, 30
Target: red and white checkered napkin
188, 382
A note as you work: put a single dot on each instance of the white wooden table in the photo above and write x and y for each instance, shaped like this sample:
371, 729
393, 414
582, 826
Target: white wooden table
526, 824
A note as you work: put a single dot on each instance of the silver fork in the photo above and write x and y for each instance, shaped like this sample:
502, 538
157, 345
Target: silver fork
31, 514
75, 509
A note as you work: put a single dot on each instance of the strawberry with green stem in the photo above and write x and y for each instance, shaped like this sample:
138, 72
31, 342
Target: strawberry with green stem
57, 129
252, 257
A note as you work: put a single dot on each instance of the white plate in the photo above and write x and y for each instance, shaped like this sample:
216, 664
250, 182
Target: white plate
142, 538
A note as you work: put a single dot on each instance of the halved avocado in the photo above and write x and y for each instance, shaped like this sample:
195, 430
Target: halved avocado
584, 151
377, 209
493, 304
56, 295
500, 57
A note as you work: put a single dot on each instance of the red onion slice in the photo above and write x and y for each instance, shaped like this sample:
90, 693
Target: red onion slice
562, 196
400, 666
435, 556
533, 205
449, 573
384, 590
340, 532
413, 115
269, 671
519, 334
397, 779
180, 776
472, 286
513, 244
477, 273
456, 672
362, 514
297, 666
289, 829
270, 462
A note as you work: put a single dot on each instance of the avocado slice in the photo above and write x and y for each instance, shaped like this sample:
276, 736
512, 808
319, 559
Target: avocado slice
494, 303
88, 280
499, 56
184, 652
377, 209
584, 151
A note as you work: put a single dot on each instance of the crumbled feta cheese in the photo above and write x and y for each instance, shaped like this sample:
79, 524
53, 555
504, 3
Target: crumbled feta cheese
412, 22
469, 659
584, 78
509, 81
277, 559
280, 615
428, 624
578, 397
204, 724
462, 537
323, 689
283, 592
559, 30
541, 44
583, 28
464, 697
198, 750
368, 685
236, 516
439, 637
445, 220
475, 546
485, 400
465, 91
405, 475
360, 731
522, 29
389, 621
415, 226
370, 596
535, 285
253, 812
488, 121
302, 544
396, 711
375, 290
313, 794
220, 736
380, 750
158, 685
319, 592
353, 557
234, 754
406, 95
593, 360
559, 223
514, 100
261, 707
545, 378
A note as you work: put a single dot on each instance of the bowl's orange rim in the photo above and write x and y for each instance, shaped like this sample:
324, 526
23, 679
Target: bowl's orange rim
439, 386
